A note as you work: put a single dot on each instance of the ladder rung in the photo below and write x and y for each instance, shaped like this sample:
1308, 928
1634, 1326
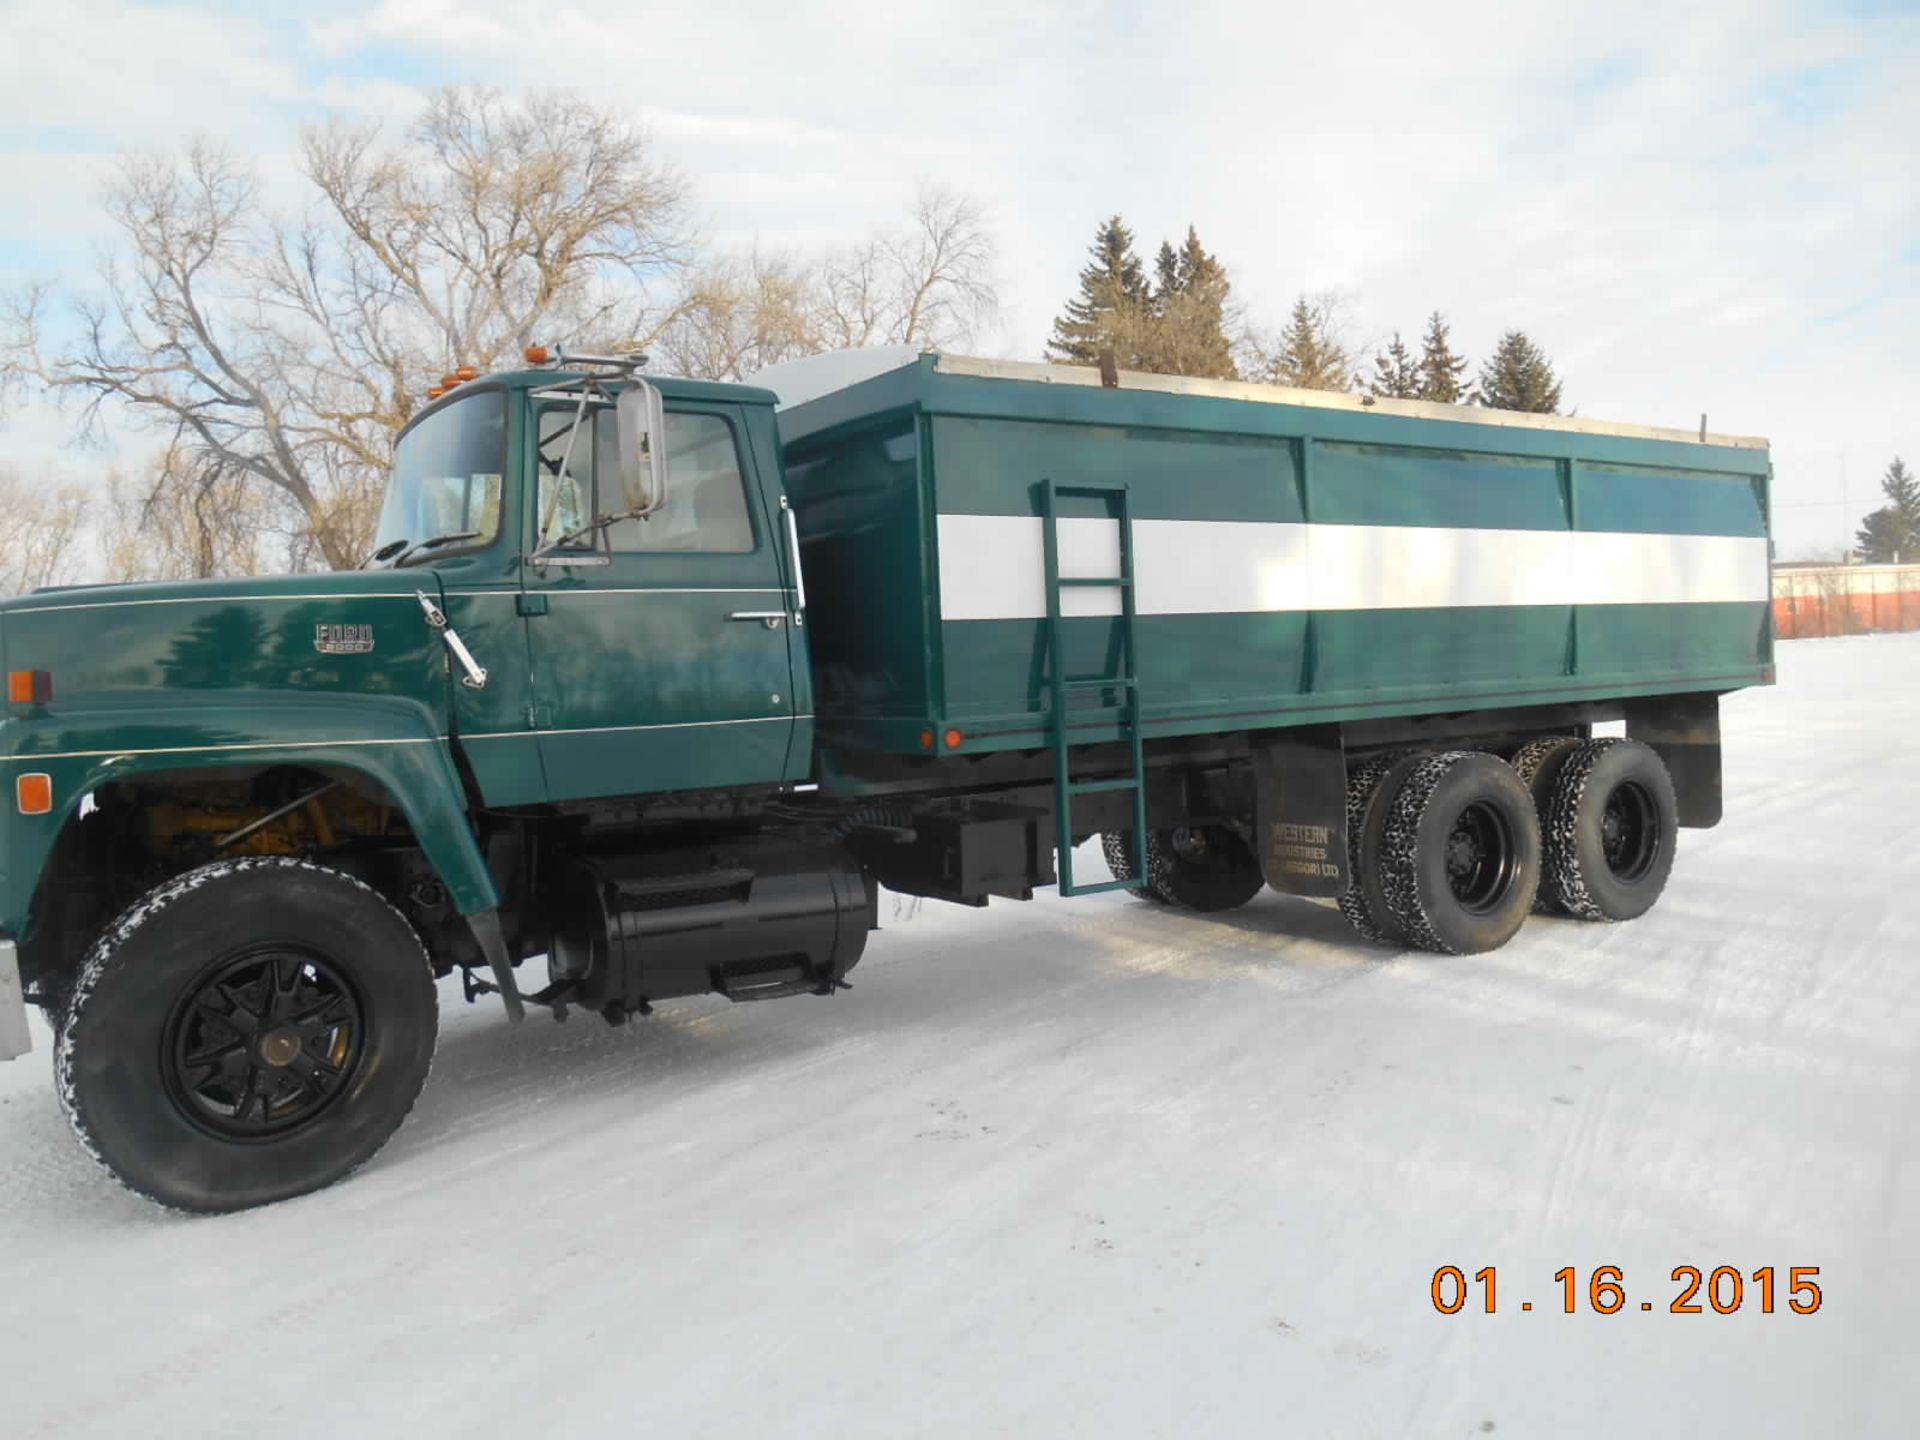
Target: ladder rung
1101, 581
1089, 787
1099, 885
1100, 682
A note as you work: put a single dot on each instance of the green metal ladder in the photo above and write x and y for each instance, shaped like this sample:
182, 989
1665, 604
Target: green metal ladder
1063, 686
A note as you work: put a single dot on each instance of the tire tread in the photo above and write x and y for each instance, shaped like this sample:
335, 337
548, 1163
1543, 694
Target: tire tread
109, 948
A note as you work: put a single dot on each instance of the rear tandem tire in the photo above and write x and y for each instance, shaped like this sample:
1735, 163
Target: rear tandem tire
1204, 868
1371, 786
1117, 846
1538, 764
1610, 831
247, 1032
1460, 853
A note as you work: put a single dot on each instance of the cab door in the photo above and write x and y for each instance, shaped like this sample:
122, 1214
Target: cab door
659, 647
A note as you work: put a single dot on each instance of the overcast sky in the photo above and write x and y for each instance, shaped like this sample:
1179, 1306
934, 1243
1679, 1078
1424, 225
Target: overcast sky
1692, 207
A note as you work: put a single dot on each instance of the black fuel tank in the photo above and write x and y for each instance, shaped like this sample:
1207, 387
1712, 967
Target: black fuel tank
750, 919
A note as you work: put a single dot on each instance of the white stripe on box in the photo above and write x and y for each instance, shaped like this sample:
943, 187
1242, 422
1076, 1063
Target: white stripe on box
992, 567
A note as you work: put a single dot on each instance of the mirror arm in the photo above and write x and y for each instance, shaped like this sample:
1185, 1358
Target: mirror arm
566, 456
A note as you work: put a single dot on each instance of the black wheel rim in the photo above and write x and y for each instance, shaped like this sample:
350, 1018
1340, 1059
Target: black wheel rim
1480, 858
1192, 845
264, 1042
1205, 849
1630, 831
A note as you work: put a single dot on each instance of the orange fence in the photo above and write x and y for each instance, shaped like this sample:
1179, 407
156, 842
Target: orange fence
1844, 599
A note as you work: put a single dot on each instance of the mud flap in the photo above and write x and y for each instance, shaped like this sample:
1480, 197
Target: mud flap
1684, 731
1300, 809
493, 944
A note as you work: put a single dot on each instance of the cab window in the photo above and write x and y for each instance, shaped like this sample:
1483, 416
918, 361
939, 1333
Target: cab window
706, 503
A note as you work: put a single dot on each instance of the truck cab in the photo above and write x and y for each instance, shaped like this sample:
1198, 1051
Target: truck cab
624, 653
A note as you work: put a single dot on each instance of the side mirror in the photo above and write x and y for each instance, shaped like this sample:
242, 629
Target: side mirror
643, 448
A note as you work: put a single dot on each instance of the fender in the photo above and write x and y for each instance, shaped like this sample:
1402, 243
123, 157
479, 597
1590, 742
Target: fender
394, 742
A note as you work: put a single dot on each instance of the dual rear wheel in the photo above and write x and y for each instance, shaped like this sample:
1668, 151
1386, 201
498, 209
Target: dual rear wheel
1450, 851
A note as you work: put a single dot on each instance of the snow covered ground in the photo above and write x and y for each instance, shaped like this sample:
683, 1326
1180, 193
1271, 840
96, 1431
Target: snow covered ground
1093, 1168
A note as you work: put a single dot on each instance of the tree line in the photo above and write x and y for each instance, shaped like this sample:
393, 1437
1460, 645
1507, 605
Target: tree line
274, 356
1182, 320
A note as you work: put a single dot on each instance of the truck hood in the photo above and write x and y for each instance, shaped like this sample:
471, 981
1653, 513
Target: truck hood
121, 647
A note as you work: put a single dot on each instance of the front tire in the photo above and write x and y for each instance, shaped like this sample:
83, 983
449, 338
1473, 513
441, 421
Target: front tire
250, 1031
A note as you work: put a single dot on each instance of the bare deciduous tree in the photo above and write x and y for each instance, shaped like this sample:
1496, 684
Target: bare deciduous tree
278, 358
738, 315
39, 528
192, 520
287, 356
928, 284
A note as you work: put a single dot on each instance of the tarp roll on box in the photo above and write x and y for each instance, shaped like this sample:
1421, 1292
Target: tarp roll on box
1299, 557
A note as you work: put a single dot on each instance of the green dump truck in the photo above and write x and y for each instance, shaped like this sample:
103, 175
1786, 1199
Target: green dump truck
655, 687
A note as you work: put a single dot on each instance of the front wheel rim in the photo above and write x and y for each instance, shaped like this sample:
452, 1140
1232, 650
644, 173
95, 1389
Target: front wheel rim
264, 1043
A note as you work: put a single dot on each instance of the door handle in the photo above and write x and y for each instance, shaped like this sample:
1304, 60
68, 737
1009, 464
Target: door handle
771, 618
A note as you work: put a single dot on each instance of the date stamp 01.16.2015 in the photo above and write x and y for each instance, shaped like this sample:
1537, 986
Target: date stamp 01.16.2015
1722, 1290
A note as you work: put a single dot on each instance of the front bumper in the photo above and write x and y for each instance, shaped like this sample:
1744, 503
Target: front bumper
15, 1039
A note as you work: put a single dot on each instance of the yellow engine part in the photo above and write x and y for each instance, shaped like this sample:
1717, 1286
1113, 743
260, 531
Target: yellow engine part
323, 821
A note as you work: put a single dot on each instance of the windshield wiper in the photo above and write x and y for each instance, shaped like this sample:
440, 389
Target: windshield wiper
433, 542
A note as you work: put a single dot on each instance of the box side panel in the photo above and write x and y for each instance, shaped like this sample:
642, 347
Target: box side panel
1194, 494
1285, 579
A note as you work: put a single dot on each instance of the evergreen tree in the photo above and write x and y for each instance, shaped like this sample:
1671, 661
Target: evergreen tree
1891, 534
1111, 310
1188, 330
1396, 373
1440, 368
1311, 356
1166, 271
1518, 377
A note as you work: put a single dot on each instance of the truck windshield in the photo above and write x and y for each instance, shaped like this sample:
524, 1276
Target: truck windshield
446, 476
